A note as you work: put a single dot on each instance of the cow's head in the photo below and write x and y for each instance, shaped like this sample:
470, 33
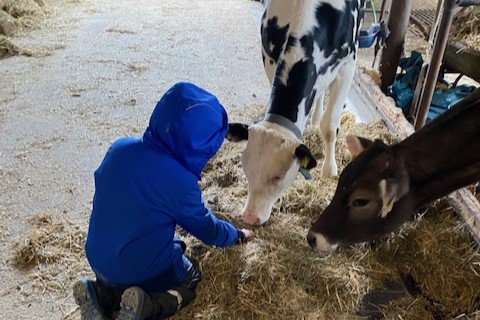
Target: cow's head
271, 161
368, 189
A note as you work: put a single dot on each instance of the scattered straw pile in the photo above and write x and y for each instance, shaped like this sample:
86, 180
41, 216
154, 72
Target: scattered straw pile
431, 262
18, 15
371, 72
53, 252
26, 13
466, 27
22, 8
277, 276
9, 48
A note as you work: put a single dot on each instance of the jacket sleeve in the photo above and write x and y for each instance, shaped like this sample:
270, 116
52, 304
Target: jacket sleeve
194, 217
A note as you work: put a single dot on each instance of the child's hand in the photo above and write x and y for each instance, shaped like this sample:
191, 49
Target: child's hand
249, 235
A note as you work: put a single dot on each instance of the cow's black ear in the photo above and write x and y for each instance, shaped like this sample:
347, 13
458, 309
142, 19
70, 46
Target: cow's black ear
237, 132
305, 157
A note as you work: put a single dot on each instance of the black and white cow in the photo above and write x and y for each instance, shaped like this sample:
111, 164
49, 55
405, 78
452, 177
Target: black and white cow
308, 46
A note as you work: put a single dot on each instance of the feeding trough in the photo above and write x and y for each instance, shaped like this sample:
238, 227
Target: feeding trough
367, 37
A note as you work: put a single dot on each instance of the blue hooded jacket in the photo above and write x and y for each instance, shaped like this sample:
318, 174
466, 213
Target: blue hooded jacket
145, 187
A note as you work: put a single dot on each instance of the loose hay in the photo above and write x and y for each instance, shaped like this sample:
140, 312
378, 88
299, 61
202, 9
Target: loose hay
53, 250
9, 48
20, 8
373, 73
277, 276
466, 27
26, 15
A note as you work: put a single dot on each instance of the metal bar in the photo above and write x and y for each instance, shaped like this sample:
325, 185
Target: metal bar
398, 21
444, 22
383, 11
466, 3
420, 86
419, 24
374, 11
413, 112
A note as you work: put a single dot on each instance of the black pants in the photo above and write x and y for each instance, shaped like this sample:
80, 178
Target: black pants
165, 304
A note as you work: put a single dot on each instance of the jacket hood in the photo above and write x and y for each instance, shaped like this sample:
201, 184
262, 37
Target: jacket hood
190, 123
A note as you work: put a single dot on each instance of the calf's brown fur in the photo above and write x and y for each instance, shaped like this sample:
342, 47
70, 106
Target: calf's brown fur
384, 185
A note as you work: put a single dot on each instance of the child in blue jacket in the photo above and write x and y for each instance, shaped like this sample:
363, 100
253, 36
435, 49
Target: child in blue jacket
144, 188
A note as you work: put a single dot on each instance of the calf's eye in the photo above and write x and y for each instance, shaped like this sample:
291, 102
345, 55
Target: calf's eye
359, 203
277, 179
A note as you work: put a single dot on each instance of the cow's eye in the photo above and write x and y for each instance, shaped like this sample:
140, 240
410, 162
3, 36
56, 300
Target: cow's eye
359, 203
276, 179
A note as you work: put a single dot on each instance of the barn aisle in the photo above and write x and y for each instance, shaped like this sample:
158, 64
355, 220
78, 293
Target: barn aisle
97, 70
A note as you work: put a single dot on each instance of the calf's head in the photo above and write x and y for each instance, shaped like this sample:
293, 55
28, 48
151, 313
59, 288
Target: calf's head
368, 189
271, 161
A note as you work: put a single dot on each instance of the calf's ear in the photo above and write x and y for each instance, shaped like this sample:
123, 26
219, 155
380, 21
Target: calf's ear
357, 145
237, 132
391, 190
304, 156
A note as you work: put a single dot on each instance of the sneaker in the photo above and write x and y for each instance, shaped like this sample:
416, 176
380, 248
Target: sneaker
135, 305
86, 298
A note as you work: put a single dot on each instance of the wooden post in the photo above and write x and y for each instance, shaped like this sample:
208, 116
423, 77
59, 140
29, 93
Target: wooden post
398, 21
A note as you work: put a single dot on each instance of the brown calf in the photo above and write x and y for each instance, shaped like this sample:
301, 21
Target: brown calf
384, 185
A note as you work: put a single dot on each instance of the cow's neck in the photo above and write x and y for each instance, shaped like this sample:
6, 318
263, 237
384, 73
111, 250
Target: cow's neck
293, 92
444, 156
296, 117
285, 123
286, 133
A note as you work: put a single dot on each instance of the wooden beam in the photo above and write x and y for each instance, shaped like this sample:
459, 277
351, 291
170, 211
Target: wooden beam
468, 207
398, 20
367, 95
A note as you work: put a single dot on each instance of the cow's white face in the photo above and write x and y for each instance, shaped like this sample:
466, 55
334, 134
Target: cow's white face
271, 162
270, 166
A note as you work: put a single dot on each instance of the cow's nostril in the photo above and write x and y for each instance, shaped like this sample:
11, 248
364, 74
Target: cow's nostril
311, 239
250, 219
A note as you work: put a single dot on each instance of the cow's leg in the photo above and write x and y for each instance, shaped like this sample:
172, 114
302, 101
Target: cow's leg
330, 121
318, 111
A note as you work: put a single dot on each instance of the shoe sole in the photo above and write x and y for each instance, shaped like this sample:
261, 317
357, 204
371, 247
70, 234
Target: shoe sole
132, 304
84, 295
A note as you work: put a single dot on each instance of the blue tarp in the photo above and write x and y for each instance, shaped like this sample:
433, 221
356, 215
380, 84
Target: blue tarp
403, 88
